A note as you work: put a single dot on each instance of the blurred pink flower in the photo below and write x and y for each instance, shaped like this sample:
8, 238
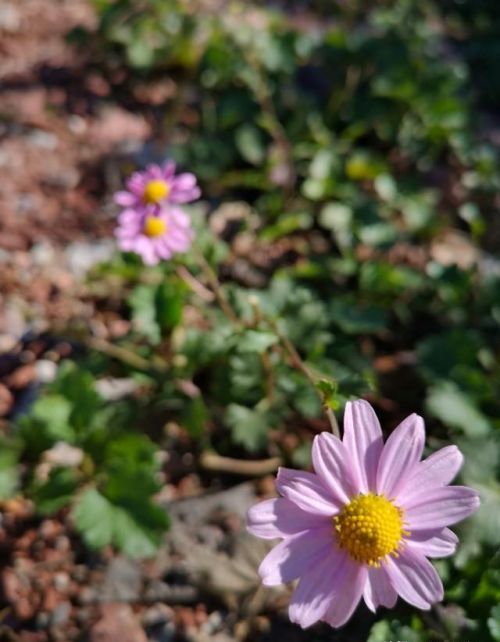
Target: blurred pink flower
154, 234
157, 186
365, 522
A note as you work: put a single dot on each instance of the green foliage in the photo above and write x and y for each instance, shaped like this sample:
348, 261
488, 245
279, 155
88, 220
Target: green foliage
156, 309
248, 426
130, 523
110, 485
9, 473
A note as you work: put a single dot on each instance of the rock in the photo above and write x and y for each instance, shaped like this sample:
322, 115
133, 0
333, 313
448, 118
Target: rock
123, 581
60, 615
43, 253
10, 17
166, 633
117, 622
82, 256
42, 139
6, 400
156, 615
21, 377
113, 389
46, 371
7, 341
62, 454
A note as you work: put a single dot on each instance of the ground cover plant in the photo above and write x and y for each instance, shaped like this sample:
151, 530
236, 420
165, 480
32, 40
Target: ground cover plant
313, 219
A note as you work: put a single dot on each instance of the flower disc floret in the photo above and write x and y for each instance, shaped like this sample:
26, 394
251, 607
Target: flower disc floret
154, 226
369, 527
156, 191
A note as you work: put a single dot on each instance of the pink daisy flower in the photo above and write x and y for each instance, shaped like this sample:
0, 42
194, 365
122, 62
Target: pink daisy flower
364, 524
158, 185
154, 234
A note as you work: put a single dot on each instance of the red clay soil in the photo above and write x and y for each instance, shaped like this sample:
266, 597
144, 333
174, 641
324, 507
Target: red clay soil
56, 127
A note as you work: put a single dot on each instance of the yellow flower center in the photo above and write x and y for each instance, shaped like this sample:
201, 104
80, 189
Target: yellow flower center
155, 191
369, 528
154, 226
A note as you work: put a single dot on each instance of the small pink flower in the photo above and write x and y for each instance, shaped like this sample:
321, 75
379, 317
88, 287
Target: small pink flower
156, 186
365, 522
154, 234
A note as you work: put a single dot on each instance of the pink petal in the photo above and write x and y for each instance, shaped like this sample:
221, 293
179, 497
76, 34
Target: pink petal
154, 171
179, 217
292, 557
313, 595
415, 579
136, 183
163, 251
144, 247
125, 199
177, 242
440, 507
185, 195
437, 470
280, 517
125, 244
363, 440
401, 453
433, 543
130, 217
307, 491
168, 169
185, 181
379, 590
349, 586
331, 462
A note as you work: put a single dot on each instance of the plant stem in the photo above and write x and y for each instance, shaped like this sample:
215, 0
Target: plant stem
212, 461
127, 356
216, 287
300, 365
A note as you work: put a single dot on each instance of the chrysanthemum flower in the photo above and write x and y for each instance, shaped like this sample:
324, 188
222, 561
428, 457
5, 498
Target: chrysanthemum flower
156, 186
364, 524
154, 234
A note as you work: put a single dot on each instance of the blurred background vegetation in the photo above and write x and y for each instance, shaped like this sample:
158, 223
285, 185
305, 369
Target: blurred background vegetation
348, 154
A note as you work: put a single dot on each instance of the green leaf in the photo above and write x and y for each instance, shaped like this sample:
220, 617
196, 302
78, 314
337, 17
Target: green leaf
169, 303
132, 454
329, 391
353, 318
156, 308
338, 218
364, 165
494, 623
9, 469
48, 423
77, 386
287, 224
53, 409
93, 516
439, 355
387, 630
456, 409
248, 140
143, 304
378, 277
255, 341
249, 426
135, 528
56, 492
195, 417
140, 54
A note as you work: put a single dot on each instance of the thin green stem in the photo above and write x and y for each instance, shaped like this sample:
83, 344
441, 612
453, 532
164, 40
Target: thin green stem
300, 365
